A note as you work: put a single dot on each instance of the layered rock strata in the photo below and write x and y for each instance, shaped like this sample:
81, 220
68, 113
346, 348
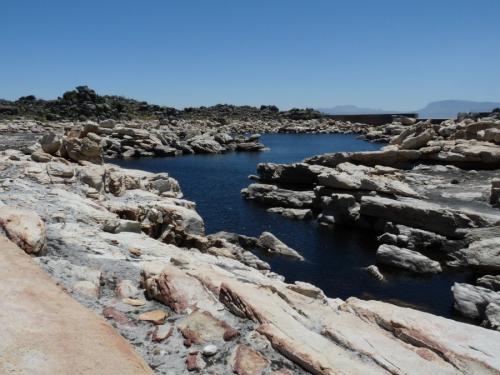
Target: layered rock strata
126, 245
431, 195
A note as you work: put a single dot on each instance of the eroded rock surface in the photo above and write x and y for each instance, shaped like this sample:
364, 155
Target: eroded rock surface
406, 259
25, 228
430, 195
39, 321
213, 292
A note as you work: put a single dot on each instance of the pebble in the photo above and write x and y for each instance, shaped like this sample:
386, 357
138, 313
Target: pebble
135, 251
162, 332
210, 350
154, 316
134, 301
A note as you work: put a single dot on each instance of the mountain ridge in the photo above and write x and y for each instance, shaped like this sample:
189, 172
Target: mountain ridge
448, 108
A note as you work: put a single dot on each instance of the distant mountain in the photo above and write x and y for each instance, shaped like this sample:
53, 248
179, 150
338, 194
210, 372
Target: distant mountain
450, 108
438, 109
351, 110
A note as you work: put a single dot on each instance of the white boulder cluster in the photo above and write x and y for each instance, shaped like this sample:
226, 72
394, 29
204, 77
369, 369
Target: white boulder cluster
127, 246
431, 194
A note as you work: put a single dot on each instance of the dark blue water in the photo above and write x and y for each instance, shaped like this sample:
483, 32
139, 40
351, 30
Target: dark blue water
334, 258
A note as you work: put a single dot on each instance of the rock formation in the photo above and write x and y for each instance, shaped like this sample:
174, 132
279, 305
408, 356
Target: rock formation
431, 194
208, 308
127, 245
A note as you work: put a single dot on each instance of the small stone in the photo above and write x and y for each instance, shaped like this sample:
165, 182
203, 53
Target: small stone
162, 332
126, 289
155, 316
112, 313
194, 362
374, 272
210, 350
135, 251
134, 301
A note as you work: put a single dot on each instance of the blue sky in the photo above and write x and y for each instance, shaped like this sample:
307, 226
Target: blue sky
389, 54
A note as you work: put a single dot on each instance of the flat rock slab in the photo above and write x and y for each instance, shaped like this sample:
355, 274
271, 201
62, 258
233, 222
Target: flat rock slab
45, 331
246, 361
201, 327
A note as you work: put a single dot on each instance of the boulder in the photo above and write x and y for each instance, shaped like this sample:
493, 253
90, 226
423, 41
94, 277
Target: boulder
406, 259
108, 123
161, 150
250, 146
205, 145
253, 137
121, 225
292, 213
492, 315
417, 141
406, 120
471, 300
295, 174
271, 195
184, 220
348, 176
114, 182
472, 129
51, 143
60, 169
25, 228
82, 149
490, 135
273, 245
40, 156
424, 215
489, 282
238, 239
482, 255
339, 208
390, 158
421, 240
223, 138
466, 154
93, 176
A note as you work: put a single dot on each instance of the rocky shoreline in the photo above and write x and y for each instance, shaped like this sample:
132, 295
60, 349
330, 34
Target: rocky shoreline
126, 128
431, 194
128, 246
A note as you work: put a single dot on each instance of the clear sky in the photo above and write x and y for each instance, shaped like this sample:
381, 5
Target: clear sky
392, 54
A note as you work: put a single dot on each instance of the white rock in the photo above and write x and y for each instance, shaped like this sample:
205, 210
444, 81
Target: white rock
210, 350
